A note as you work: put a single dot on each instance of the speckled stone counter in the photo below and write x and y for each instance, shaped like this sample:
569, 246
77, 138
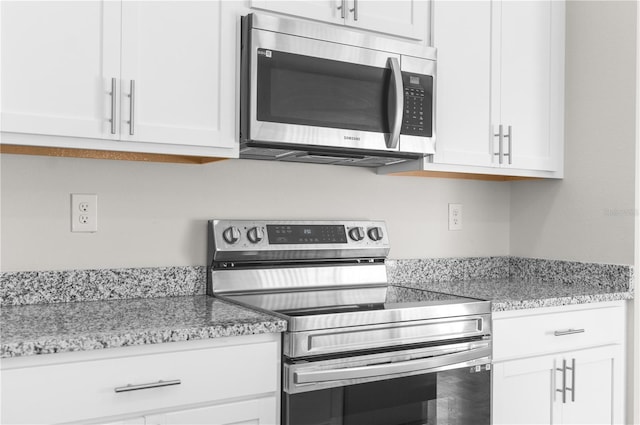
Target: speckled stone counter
512, 283
62, 327
515, 294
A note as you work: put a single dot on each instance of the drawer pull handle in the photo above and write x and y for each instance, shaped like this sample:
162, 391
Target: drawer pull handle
147, 386
568, 332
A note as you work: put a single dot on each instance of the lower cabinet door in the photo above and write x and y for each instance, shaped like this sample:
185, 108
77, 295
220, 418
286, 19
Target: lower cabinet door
523, 391
530, 391
261, 411
596, 384
130, 421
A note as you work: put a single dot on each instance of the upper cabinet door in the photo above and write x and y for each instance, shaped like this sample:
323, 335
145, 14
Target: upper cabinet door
463, 92
59, 60
405, 18
175, 86
321, 10
527, 67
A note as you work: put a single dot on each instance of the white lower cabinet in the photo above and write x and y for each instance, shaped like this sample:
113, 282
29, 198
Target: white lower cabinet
232, 380
576, 377
251, 412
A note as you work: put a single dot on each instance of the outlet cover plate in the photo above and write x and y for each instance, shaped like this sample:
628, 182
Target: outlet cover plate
455, 216
84, 212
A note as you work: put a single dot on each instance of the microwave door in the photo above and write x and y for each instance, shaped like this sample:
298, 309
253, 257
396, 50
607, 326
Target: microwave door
311, 92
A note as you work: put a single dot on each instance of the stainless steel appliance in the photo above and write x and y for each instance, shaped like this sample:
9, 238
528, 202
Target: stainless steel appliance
317, 93
357, 350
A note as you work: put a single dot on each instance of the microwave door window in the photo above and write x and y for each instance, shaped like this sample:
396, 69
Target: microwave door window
303, 90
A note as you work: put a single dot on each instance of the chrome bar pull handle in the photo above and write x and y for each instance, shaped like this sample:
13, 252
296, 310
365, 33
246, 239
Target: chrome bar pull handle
573, 380
510, 137
113, 106
564, 381
341, 8
396, 107
568, 332
355, 10
132, 104
137, 387
500, 137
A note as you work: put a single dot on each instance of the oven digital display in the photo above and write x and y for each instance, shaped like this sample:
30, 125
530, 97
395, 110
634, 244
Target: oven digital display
305, 234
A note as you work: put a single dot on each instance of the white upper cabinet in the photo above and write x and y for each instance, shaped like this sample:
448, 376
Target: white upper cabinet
404, 18
504, 71
463, 92
171, 59
526, 94
117, 73
58, 61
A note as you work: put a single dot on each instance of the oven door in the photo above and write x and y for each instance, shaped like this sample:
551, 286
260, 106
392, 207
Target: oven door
436, 385
298, 91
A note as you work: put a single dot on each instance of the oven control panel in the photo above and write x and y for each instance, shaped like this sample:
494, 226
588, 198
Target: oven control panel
292, 239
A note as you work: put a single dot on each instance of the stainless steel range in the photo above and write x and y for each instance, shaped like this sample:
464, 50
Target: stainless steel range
357, 350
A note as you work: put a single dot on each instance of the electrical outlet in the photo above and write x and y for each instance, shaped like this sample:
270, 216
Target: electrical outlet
84, 212
455, 216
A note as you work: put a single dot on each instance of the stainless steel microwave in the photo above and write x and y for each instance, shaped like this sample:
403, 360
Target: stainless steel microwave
318, 93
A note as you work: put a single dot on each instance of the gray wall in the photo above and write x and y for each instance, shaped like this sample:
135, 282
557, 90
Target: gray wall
154, 214
588, 216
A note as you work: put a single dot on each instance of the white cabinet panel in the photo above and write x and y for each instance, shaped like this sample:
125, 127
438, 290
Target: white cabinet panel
61, 59
596, 387
528, 387
252, 412
321, 10
171, 50
523, 391
506, 68
525, 82
68, 391
463, 92
404, 18
58, 61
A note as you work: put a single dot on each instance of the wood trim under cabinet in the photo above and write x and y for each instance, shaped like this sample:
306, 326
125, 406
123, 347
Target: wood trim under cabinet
100, 154
469, 176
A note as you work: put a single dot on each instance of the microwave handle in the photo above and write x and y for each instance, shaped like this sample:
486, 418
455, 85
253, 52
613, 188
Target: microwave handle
395, 108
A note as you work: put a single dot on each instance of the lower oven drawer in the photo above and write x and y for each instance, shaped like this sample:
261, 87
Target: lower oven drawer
392, 388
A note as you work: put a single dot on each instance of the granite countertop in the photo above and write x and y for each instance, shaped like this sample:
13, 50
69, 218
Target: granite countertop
62, 327
514, 294
76, 310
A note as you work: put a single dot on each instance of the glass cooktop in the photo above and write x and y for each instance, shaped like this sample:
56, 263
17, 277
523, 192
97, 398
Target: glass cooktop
358, 306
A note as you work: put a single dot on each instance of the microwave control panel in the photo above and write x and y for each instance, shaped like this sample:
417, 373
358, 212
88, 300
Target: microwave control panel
417, 114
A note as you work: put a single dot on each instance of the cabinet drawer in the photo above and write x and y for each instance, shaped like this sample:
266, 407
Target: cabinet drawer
539, 331
77, 391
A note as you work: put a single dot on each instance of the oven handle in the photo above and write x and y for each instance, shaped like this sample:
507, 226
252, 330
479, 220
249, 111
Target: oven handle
395, 111
363, 372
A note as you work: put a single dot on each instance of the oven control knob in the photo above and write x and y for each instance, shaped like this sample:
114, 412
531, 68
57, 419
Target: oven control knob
356, 233
231, 234
375, 233
255, 234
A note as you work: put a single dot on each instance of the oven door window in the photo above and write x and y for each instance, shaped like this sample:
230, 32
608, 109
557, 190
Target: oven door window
304, 90
453, 397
